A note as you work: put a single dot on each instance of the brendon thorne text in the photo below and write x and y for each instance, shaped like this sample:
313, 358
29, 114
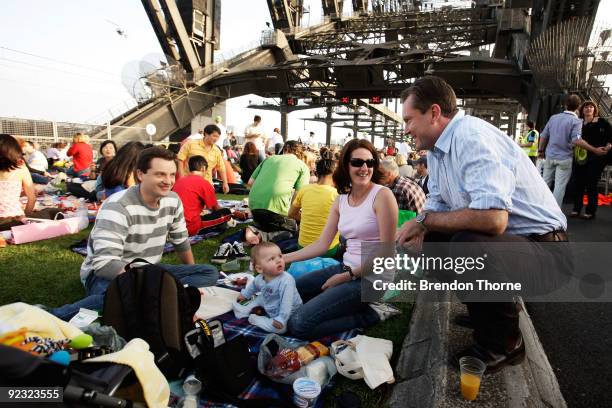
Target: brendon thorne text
423, 284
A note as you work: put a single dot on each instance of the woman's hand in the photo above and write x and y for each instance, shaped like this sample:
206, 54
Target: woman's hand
335, 280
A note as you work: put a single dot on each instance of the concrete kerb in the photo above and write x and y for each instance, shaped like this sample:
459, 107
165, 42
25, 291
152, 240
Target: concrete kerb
425, 379
421, 367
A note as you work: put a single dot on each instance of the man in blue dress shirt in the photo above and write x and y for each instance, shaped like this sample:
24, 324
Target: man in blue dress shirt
482, 188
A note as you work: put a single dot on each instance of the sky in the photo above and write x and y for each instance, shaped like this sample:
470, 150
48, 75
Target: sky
64, 61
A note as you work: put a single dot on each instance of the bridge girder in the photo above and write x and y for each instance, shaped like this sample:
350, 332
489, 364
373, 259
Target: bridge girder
429, 30
332, 8
286, 14
373, 54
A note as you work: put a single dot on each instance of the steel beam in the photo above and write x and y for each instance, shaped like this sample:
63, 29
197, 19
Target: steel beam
328, 125
286, 14
360, 6
332, 8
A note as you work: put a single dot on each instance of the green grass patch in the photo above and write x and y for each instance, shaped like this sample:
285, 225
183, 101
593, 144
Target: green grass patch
394, 329
47, 272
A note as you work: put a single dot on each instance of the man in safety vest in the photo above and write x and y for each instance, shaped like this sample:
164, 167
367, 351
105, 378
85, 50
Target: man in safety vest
529, 142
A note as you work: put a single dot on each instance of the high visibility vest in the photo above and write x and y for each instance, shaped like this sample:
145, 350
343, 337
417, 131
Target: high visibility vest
532, 135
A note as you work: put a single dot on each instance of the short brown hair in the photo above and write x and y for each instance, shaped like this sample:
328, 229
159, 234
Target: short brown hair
341, 176
11, 155
431, 90
256, 251
586, 103
150, 153
572, 102
294, 147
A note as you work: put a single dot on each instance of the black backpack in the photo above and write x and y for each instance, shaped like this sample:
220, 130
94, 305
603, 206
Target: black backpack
148, 302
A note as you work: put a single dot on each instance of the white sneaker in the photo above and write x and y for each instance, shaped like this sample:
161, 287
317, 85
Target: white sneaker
384, 310
239, 252
223, 252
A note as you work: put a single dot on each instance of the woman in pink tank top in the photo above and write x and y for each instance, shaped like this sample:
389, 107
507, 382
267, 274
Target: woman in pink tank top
364, 212
14, 176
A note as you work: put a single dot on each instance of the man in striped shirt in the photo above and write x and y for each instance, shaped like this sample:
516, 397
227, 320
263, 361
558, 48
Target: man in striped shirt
136, 223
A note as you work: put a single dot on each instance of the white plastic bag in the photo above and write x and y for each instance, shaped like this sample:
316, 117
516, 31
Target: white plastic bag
364, 357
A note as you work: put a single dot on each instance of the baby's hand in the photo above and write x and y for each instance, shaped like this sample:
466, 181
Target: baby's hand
277, 324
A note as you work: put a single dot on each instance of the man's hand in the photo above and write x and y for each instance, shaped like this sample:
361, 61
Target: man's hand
240, 298
277, 324
413, 233
335, 280
225, 188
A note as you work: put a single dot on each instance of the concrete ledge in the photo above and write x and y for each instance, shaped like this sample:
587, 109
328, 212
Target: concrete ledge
421, 367
425, 379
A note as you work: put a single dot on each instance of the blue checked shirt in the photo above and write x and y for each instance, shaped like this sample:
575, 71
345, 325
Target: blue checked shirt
562, 131
475, 165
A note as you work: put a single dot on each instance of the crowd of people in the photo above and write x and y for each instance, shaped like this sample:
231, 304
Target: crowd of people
465, 181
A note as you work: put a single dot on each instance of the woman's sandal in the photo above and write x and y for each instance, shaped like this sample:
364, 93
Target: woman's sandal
574, 214
587, 216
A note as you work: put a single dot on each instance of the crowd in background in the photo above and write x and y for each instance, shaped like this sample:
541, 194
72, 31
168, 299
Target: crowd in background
97, 174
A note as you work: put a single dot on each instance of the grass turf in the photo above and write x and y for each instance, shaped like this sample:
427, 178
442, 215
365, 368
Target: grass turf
47, 272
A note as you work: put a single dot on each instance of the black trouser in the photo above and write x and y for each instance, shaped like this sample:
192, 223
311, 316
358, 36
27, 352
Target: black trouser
46, 213
269, 221
208, 220
586, 176
496, 324
78, 190
213, 215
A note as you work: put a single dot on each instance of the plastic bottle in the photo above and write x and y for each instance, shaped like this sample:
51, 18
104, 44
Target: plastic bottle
288, 361
82, 214
191, 387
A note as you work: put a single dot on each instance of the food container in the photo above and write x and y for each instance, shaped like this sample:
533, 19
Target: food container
305, 392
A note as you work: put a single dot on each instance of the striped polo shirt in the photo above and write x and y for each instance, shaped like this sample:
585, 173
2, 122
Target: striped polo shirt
126, 229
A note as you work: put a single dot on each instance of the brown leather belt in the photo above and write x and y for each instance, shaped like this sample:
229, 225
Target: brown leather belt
553, 236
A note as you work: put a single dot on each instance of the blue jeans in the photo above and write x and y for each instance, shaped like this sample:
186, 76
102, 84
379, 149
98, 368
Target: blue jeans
559, 173
95, 287
82, 174
330, 311
39, 178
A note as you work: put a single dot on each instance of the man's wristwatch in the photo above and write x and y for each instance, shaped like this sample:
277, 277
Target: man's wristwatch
420, 219
346, 268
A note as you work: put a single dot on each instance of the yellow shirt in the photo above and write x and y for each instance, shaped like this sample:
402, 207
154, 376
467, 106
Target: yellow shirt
316, 201
212, 154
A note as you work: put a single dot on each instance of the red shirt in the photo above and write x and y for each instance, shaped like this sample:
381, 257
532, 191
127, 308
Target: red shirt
195, 194
82, 155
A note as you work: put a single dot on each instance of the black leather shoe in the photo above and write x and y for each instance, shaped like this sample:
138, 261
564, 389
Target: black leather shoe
493, 361
463, 320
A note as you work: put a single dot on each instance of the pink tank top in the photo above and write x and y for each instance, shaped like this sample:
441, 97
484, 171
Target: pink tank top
357, 225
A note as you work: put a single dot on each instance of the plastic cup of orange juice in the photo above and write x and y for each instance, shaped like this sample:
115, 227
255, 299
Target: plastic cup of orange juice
472, 370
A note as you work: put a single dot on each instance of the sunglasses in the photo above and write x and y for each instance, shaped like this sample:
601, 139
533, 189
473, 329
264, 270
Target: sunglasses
359, 162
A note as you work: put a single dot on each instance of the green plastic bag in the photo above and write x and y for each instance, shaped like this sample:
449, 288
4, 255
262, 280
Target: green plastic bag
405, 215
580, 155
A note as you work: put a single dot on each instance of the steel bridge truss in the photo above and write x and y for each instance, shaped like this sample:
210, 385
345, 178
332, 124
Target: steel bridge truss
447, 31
